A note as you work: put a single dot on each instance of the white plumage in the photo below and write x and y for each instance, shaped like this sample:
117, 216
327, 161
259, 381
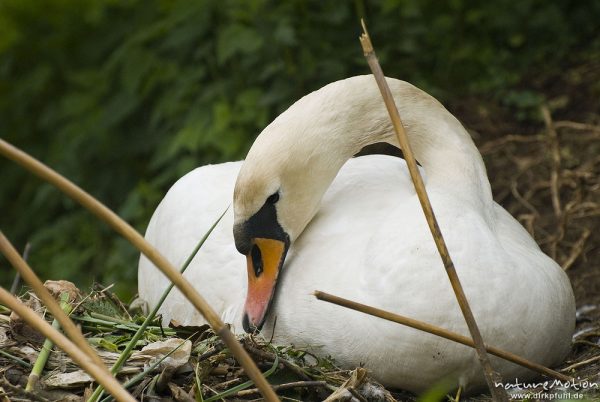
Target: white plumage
368, 241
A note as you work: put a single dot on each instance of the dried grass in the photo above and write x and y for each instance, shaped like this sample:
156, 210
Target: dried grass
549, 180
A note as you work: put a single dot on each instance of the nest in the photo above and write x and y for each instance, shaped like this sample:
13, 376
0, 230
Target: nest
170, 363
549, 180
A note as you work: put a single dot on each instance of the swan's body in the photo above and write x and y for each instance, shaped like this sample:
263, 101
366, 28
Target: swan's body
369, 242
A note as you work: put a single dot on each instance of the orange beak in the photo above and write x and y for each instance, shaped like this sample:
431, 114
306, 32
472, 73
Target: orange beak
264, 261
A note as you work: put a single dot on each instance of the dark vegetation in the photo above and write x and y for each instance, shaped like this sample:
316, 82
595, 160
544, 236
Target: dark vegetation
124, 97
205, 369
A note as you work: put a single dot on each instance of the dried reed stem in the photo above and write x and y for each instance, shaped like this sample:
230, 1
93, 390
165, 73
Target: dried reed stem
83, 360
283, 387
122, 227
577, 249
444, 333
18, 391
97, 394
582, 363
491, 377
72, 331
554, 174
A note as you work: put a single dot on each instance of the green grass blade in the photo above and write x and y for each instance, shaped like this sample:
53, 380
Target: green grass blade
15, 359
138, 335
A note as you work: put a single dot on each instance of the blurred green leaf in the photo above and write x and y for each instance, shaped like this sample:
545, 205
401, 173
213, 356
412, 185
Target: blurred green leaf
124, 97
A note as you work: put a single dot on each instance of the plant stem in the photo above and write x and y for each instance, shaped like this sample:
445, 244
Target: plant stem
444, 333
42, 358
11, 254
15, 358
491, 376
122, 227
138, 335
138, 377
80, 358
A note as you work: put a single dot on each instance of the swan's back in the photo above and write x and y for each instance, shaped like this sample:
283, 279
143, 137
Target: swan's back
369, 242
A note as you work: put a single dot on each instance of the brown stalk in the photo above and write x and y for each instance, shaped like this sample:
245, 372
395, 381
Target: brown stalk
554, 175
491, 377
7, 249
123, 228
17, 390
577, 249
582, 363
84, 361
435, 330
283, 387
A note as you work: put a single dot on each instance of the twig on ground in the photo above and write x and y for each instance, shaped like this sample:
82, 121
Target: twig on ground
16, 390
356, 395
271, 356
576, 126
515, 192
282, 387
554, 175
581, 363
577, 249
494, 145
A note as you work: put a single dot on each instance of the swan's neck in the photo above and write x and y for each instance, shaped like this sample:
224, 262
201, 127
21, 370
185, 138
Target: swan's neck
311, 141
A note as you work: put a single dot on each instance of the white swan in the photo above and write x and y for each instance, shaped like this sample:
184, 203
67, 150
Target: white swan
362, 235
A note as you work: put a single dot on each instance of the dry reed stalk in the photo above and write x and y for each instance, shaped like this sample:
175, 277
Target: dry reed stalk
556, 160
18, 391
282, 387
123, 228
435, 330
576, 126
582, 363
491, 377
84, 361
577, 249
73, 332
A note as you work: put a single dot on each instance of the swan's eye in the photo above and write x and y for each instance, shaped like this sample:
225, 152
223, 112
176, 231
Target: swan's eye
273, 198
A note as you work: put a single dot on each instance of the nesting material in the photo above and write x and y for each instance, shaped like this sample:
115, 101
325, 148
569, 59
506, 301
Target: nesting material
556, 198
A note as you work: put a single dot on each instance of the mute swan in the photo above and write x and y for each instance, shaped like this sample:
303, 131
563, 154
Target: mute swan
354, 228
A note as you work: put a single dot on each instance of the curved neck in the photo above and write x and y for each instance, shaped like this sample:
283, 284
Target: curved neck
309, 143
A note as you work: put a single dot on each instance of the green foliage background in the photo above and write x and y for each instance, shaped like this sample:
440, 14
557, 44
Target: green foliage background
125, 96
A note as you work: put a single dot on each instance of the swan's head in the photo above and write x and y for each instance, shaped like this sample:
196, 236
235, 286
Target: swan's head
290, 166
277, 193
260, 236
273, 202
